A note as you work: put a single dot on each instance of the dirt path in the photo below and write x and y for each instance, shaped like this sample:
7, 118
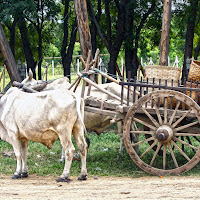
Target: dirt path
45, 188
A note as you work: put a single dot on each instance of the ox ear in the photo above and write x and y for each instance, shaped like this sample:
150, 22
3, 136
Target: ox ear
30, 75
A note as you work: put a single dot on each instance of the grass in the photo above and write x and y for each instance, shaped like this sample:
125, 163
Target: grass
103, 159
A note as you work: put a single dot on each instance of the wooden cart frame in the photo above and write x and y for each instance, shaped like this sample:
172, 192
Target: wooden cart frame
165, 118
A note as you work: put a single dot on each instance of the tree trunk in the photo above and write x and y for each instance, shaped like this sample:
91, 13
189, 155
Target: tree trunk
116, 45
131, 59
31, 63
189, 35
8, 56
129, 41
164, 42
40, 54
83, 27
65, 39
197, 50
12, 36
68, 59
93, 26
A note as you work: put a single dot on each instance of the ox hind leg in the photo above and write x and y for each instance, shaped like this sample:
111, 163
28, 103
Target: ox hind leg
69, 150
82, 148
24, 147
62, 156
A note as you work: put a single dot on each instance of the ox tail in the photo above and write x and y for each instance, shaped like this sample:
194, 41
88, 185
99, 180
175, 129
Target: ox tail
78, 108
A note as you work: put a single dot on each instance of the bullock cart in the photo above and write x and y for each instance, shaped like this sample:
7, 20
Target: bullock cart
164, 117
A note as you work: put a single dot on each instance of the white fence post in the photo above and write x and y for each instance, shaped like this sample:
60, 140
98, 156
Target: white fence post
151, 61
53, 68
142, 62
77, 66
176, 62
168, 61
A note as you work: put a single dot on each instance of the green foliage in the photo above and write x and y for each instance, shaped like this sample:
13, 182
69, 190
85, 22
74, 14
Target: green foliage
103, 159
52, 28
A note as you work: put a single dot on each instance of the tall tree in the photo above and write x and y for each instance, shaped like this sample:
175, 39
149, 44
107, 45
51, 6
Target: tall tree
12, 28
8, 57
45, 10
67, 53
31, 63
136, 17
192, 16
164, 42
93, 29
13, 13
197, 50
112, 33
83, 27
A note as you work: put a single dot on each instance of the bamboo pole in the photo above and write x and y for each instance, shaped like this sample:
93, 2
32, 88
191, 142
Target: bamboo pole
3, 72
101, 89
112, 79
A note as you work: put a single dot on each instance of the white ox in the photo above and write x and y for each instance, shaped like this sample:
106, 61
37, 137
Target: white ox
93, 121
43, 117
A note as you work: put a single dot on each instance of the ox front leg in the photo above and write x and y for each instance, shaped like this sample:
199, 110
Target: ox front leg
69, 150
17, 149
82, 148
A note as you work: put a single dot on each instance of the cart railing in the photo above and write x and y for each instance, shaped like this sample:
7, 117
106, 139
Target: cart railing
143, 87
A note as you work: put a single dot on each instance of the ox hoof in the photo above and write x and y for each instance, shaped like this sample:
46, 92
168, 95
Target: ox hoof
61, 161
16, 176
24, 175
82, 177
67, 180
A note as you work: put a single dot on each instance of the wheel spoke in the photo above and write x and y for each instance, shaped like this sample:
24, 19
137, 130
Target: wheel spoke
155, 154
180, 119
185, 143
135, 126
172, 153
150, 117
185, 126
187, 134
147, 140
144, 123
180, 150
165, 110
188, 139
195, 137
155, 142
164, 156
158, 113
174, 113
143, 132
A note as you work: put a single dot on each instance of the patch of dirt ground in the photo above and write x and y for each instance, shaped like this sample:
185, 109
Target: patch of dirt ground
44, 188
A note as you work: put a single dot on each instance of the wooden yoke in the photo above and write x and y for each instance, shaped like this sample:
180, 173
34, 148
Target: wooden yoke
31, 89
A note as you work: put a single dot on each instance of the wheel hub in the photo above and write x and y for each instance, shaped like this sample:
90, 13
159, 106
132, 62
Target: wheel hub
164, 133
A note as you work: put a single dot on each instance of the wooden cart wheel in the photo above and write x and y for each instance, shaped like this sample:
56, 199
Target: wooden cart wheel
163, 112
